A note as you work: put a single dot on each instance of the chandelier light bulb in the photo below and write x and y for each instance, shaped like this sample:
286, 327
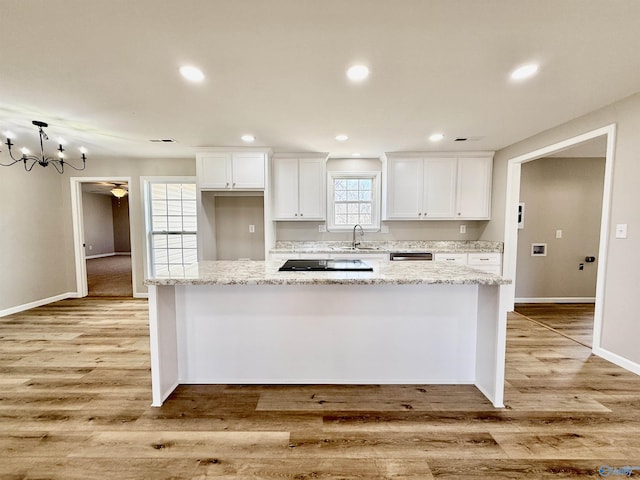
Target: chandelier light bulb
25, 151
83, 150
9, 134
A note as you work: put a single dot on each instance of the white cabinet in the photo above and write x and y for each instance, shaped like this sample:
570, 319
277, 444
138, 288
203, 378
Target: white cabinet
445, 187
457, 258
299, 189
474, 188
486, 262
230, 170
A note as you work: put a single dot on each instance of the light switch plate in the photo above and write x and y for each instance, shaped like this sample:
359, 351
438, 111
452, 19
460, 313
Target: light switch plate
463, 229
621, 230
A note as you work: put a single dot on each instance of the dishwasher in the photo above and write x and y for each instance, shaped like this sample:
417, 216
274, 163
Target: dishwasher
407, 256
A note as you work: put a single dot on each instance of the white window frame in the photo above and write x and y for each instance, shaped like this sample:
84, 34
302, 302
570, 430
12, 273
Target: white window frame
147, 203
374, 176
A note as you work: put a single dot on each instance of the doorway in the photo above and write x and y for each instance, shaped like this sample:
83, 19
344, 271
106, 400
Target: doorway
561, 208
102, 237
514, 170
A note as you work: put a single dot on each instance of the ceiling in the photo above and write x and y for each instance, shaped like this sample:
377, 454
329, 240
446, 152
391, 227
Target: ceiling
104, 73
103, 188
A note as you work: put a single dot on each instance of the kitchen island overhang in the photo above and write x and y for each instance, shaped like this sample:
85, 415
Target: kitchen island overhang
244, 322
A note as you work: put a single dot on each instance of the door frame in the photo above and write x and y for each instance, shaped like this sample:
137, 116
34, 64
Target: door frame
514, 167
82, 288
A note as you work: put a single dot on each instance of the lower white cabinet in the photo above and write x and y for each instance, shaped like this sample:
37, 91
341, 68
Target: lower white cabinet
485, 262
459, 258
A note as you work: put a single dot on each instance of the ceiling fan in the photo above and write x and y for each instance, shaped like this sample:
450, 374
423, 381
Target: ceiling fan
118, 189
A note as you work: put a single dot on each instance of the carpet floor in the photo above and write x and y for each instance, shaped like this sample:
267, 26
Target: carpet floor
110, 276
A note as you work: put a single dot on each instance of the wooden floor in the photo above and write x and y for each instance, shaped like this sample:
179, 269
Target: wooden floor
75, 395
574, 320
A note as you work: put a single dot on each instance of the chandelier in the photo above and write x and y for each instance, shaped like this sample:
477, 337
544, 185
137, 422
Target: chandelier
30, 161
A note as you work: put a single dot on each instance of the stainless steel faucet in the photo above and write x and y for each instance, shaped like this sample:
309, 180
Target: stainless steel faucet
355, 244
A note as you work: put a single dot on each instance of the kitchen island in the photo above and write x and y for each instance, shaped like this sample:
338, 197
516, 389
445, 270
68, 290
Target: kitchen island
230, 322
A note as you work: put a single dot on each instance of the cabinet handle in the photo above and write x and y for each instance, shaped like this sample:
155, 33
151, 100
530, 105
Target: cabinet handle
459, 213
295, 214
301, 214
234, 184
425, 214
227, 185
419, 214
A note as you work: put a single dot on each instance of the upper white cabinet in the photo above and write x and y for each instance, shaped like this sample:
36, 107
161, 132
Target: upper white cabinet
231, 170
474, 188
299, 188
438, 187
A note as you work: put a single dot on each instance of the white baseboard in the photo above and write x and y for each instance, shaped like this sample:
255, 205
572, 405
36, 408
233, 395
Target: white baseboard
556, 300
37, 303
102, 255
140, 295
617, 359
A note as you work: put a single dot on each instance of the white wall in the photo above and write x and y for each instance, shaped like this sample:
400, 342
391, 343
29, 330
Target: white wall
621, 328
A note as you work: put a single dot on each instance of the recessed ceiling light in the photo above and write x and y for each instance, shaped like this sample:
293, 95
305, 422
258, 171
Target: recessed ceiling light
248, 138
357, 73
342, 138
524, 71
193, 74
436, 137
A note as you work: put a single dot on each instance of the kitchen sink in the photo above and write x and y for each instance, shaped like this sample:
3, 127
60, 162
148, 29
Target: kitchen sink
355, 249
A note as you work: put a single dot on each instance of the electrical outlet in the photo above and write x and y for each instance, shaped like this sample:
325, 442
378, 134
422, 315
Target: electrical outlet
463, 229
322, 228
90, 247
558, 233
252, 229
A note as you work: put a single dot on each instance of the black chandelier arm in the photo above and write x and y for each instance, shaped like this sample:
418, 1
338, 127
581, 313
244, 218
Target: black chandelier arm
78, 169
12, 163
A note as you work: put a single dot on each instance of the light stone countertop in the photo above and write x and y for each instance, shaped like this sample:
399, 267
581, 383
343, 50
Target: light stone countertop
433, 246
242, 272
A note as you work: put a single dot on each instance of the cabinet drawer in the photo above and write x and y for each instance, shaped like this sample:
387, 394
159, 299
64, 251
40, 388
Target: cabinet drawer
484, 258
460, 258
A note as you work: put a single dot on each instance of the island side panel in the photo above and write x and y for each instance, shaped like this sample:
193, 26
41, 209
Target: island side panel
491, 345
163, 342
327, 333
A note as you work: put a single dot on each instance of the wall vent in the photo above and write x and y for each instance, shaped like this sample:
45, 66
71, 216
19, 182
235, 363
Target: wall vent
162, 140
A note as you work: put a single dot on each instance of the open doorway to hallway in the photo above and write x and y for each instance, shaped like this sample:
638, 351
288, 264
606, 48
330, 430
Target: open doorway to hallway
561, 209
107, 243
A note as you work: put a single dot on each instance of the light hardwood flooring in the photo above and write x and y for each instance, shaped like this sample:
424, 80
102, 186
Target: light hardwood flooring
75, 395
574, 320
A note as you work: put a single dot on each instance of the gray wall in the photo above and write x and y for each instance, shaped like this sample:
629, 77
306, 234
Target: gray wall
36, 244
98, 224
560, 194
33, 242
620, 328
233, 215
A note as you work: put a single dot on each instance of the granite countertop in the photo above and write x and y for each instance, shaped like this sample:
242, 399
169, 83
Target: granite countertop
384, 273
433, 246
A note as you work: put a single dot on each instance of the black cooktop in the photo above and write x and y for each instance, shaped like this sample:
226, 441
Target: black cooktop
325, 265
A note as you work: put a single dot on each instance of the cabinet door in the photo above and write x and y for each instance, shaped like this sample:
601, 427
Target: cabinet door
311, 189
404, 188
474, 188
285, 188
213, 171
248, 171
439, 188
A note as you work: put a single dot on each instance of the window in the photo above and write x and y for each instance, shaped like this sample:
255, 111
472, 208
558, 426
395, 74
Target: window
172, 224
353, 199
